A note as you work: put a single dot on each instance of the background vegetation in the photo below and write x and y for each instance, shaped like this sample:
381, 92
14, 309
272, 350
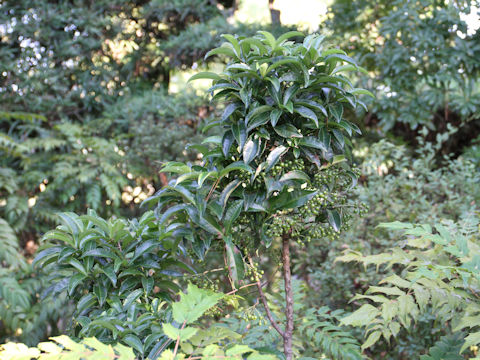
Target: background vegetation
94, 102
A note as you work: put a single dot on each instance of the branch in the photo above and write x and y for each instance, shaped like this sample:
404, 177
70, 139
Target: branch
287, 276
242, 287
265, 304
178, 340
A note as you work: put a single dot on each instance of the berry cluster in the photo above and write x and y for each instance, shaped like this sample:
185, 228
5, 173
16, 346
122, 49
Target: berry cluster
253, 272
280, 224
335, 177
288, 165
319, 203
320, 231
250, 314
203, 282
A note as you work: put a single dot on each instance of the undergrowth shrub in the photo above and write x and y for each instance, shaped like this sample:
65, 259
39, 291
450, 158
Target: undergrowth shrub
118, 273
278, 174
153, 127
396, 185
435, 268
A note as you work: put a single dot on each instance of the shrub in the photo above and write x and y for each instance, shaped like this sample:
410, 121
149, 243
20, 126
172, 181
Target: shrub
118, 273
435, 267
63, 348
278, 172
397, 185
423, 55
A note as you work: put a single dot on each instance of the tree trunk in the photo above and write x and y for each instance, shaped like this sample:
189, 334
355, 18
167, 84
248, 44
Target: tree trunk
287, 276
274, 13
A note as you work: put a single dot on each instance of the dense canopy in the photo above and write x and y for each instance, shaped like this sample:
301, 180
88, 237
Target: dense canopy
239, 179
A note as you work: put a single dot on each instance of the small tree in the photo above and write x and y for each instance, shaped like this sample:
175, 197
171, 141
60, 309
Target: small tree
279, 170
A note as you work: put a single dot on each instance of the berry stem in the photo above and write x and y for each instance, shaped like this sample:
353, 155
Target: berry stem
265, 304
178, 339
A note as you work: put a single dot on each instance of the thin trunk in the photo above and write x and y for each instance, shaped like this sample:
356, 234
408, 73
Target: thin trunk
274, 13
287, 276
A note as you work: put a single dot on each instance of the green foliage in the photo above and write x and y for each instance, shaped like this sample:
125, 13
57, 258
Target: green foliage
66, 141
85, 171
195, 341
273, 116
426, 190
118, 273
62, 347
154, 127
430, 74
85, 106
192, 44
24, 315
398, 185
320, 326
473, 152
448, 348
9, 246
424, 57
278, 170
432, 268
184, 331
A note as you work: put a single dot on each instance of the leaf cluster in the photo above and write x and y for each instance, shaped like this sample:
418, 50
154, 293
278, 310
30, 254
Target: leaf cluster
63, 348
436, 268
284, 103
118, 273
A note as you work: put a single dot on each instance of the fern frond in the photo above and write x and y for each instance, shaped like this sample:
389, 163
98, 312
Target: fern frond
62, 347
8, 180
111, 187
94, 196
447, 348
321, 327
9, 249
20, 115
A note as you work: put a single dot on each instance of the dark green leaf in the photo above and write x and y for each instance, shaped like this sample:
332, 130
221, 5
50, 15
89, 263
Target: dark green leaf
74, 281
227, 142
287, 131
100, 292
289, 93
240, 133
250, 150
134, 342
306, 113
237, 165
258, 121
229, 110
99, 252
334, 219
295, 175
205, 75
232, 213
274, 116
256, 112
274, 156
313, 142
227, 191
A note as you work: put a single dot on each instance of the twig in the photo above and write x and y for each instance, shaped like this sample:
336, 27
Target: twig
178, 340
159, 351
287, 276
207, 272
230, 277
265, 304
243, 287
212, 189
